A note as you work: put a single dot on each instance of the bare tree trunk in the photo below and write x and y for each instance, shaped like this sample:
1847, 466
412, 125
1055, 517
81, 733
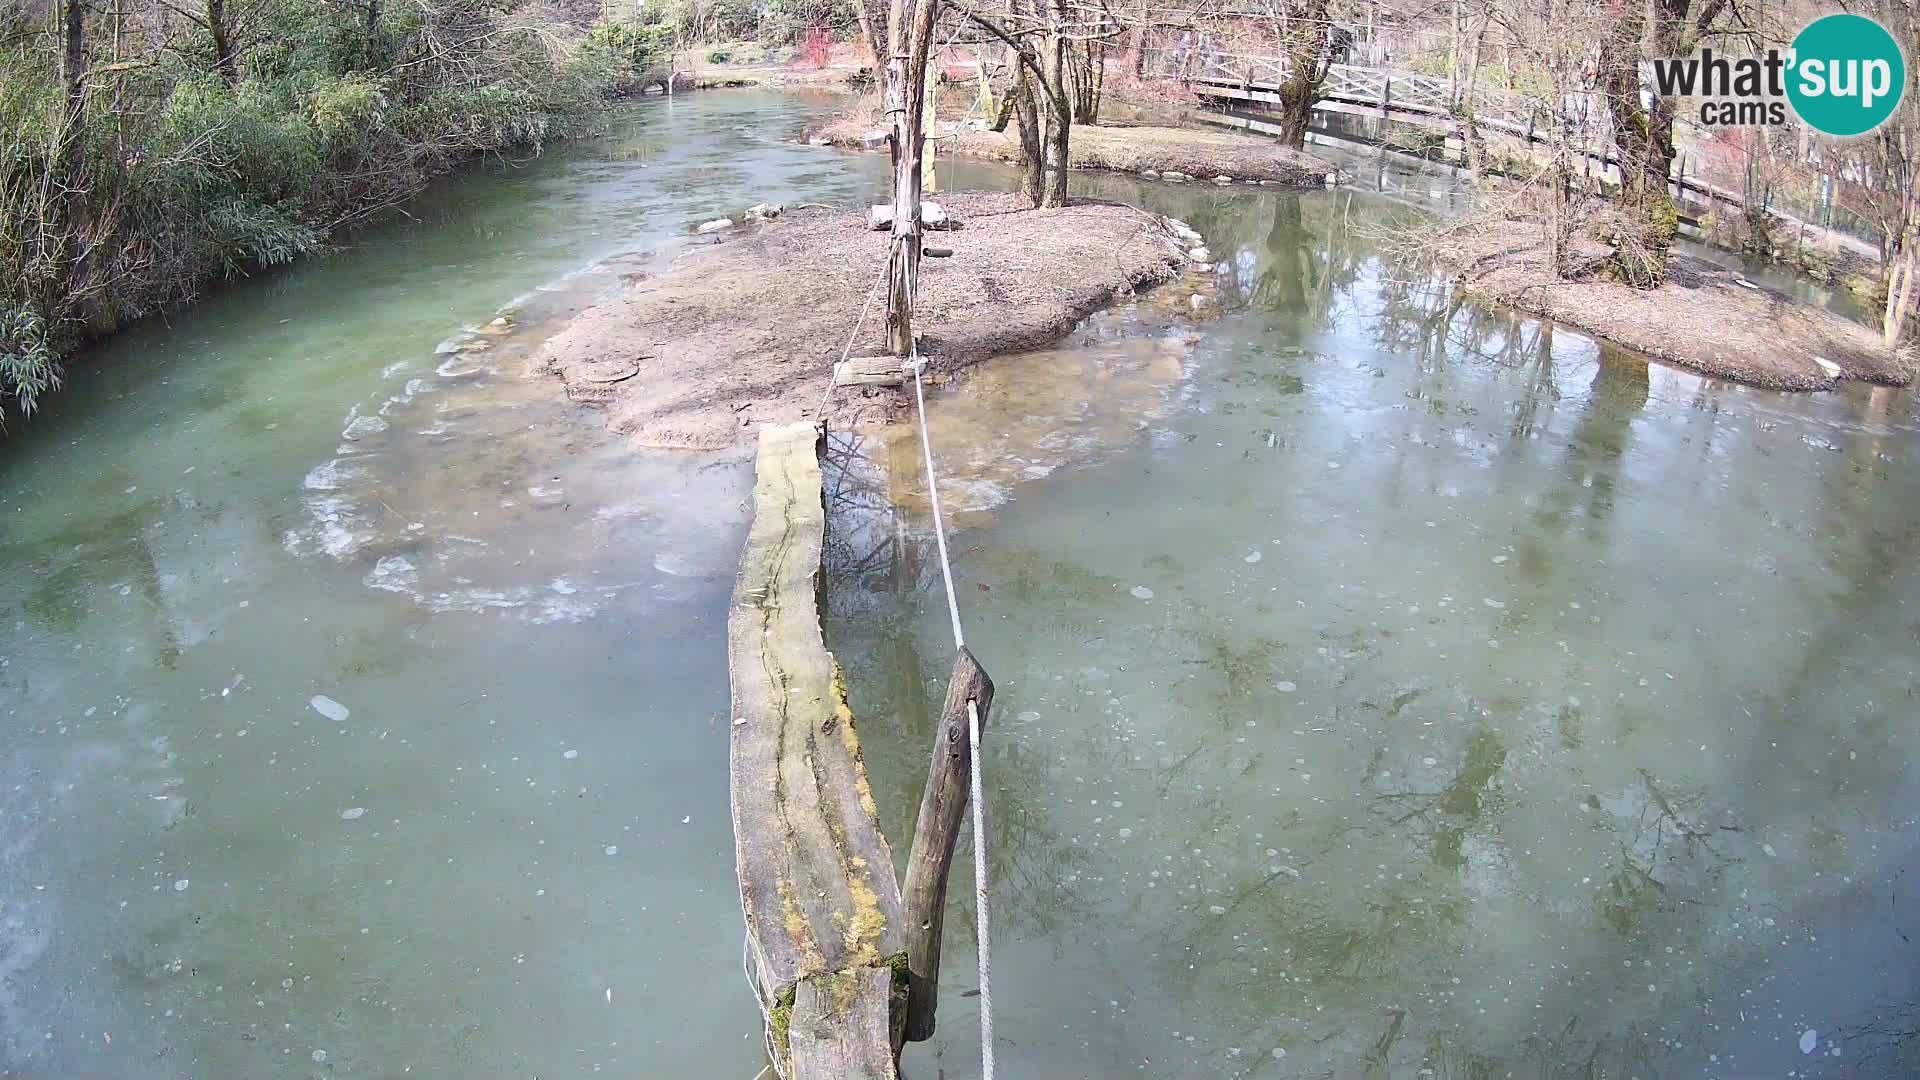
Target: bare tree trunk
1308, 55
1644, 158
73, 66
1033, 177
1059, 108
868, 37
910, 31
1087, 68
1005, 113
1464, 108
222, 34
1899, 296
371, 28
1039, 97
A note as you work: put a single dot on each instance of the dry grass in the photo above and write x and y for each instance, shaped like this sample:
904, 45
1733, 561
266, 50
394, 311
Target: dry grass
746, 331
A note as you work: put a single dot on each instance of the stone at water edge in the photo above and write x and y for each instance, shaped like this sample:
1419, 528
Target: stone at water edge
1149, 174
1198, 302
819, 140
1223, 178
873, 140
1201, 255
1175, 177
1831, 369
765, 211
713, 226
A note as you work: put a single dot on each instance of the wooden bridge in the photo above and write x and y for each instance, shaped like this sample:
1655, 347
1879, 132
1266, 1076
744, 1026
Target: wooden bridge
1431, 101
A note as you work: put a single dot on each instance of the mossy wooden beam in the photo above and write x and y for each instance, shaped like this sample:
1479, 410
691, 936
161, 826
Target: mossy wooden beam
816, 877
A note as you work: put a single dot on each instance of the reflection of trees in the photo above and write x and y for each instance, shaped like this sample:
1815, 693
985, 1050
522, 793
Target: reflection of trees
1444, 818
75, 565
881, 573
1595, 453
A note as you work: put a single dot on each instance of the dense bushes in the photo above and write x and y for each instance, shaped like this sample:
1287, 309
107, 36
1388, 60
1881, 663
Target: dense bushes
143, 155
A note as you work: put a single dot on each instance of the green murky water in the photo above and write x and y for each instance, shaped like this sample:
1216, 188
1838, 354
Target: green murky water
1392, 687
510, 855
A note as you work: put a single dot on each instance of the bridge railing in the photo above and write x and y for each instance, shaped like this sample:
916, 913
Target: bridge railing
1358, 87
1387, 90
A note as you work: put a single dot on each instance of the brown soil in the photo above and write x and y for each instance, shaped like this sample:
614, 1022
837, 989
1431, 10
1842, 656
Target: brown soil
1196, 154
1702, 317
746, 332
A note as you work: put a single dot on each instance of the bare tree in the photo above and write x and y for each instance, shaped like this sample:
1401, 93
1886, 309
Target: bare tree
910, 39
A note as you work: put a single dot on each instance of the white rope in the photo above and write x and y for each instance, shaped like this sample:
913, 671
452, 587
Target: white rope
933, 496
981, 927
821, 412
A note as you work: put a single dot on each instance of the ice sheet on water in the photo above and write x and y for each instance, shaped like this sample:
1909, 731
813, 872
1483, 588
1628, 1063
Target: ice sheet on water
329, 708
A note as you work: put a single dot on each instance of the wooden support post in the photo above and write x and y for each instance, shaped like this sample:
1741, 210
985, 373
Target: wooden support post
942, 807
903, 254
1386, 95
929, 176
911, 32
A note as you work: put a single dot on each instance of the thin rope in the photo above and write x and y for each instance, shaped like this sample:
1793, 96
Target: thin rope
821, 412
981, 923
933, 496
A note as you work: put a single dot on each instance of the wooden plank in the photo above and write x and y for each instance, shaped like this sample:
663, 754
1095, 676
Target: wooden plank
841, 1027
869, 371
943, 805
816, 876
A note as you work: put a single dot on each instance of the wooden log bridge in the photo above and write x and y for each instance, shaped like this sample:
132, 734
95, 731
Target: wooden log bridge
845, 970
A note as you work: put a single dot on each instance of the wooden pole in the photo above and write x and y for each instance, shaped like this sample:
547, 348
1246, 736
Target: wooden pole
903, 259
942, 806
930, 179
911, 31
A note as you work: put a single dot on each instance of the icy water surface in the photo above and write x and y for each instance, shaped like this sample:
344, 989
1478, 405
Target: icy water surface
1407, 689
360, 698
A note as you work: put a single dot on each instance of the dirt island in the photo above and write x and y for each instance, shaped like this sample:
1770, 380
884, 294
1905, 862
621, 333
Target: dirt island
746, 331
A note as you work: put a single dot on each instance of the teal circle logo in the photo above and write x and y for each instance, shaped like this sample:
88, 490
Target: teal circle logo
1845, 75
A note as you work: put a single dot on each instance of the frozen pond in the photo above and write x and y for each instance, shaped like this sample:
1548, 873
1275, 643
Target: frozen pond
1392, 687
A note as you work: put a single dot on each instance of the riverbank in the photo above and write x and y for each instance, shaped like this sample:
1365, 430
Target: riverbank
207, 170
745, 332
1174, 154
1704, 317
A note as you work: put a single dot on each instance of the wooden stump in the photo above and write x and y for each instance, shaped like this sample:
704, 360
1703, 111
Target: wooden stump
943, 805
816, 877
